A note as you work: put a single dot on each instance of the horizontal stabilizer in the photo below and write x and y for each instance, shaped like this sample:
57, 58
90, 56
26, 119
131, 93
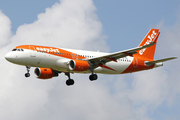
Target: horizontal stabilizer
158, 61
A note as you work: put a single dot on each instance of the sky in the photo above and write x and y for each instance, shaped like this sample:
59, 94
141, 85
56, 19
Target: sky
90, 25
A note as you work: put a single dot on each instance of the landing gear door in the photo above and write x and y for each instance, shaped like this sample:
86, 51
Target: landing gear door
33, 52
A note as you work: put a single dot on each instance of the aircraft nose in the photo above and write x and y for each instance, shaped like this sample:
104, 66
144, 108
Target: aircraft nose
9, 56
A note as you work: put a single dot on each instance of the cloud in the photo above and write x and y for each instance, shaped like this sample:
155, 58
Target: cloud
5, 29
170, 47
160, 87
72, 24
75, 24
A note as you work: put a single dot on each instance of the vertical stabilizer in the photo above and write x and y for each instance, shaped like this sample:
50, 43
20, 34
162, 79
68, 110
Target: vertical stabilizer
149, 52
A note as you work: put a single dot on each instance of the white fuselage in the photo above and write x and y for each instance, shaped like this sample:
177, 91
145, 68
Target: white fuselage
45, 60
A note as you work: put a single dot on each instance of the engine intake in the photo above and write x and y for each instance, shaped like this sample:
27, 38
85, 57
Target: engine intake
78, 65
45, 73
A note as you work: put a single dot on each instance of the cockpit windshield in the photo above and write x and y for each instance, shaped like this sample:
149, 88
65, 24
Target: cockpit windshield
19, 49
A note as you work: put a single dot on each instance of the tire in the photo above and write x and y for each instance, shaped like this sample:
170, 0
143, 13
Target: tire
70, 82
27, 75
93, 77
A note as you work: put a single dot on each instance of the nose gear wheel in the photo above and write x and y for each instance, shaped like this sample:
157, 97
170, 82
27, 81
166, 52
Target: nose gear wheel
28, 69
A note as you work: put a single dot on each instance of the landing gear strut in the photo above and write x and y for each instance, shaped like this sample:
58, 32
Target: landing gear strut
69, 81
28, 69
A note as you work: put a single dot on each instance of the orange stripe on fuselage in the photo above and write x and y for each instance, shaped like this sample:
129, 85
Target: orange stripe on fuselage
138, 64
52, 51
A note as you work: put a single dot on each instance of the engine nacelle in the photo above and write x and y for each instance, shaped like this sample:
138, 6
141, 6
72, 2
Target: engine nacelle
78, 65
63, 64
45, 73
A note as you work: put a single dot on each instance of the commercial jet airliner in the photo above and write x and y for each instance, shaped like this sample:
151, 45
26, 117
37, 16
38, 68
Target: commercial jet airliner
51, 61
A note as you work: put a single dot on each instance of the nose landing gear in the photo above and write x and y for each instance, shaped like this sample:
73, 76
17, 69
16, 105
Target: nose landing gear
28, 69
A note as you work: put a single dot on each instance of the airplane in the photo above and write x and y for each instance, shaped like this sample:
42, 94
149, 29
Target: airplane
50, 61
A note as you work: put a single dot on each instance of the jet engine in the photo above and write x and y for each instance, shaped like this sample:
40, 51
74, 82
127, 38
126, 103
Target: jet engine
45, 73
78, 65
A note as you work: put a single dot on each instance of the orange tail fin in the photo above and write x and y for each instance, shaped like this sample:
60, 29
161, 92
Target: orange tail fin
149, 52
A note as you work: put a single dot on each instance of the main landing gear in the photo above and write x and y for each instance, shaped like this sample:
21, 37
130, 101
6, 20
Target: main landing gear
69, 81
93, 77
28, 69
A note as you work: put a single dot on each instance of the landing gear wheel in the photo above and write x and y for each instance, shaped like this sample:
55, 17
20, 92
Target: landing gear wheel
27, 75
28, 69
70, 82
93, 77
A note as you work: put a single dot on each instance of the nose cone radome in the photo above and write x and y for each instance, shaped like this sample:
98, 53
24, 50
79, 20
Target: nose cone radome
9, 57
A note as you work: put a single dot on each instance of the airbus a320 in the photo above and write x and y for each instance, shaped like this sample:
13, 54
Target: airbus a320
50, 61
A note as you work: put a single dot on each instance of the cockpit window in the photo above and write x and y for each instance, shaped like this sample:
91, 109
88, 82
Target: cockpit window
19, 49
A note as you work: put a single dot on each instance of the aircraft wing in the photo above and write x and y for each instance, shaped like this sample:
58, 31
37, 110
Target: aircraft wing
117, 55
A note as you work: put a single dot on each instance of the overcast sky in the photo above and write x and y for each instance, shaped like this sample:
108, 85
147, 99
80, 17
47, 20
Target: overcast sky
92, 25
